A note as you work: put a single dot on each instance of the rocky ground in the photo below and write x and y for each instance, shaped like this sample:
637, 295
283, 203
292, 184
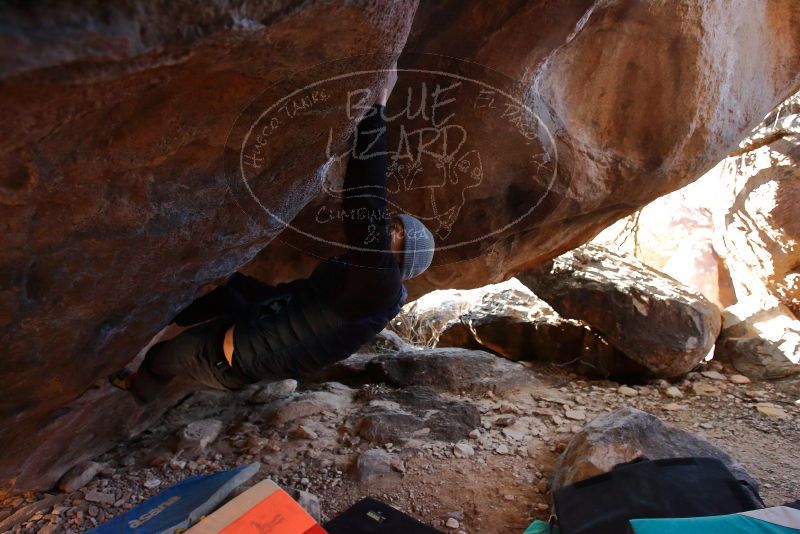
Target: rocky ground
437, 433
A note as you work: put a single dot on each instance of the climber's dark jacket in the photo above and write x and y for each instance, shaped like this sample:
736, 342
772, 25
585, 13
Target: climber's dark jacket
297, 328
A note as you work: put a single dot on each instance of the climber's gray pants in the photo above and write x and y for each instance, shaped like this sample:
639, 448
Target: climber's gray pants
196, 353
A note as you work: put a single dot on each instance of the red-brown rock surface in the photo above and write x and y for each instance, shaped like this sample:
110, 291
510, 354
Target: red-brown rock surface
640, 98
116, 205
756, 213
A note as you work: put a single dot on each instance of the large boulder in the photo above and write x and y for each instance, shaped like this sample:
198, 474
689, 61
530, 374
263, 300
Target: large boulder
116, 206
651, 318
118, 209
509, 320
761, 338
625, 435
548, 338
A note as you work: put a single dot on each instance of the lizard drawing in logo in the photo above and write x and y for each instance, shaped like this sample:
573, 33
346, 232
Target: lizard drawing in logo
446, 187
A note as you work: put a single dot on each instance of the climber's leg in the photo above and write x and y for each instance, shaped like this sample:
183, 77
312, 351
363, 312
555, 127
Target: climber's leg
196, 353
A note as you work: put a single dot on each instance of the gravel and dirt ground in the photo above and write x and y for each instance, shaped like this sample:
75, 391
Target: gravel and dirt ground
493, 480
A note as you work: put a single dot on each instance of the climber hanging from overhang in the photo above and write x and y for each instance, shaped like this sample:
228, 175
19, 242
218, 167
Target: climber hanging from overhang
251, 331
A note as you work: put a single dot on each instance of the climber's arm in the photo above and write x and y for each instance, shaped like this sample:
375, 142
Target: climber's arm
230, 299
372, 281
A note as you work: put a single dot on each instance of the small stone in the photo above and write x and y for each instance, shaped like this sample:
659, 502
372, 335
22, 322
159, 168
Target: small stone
673, 393
398, 465
541, 507
304, 432
475, 434
505, 420
575, 415
739, 379
707, 426
372, 463
273, 391
714, 375
452, 523
151, 483
508, 497
515, 435
671, 407
771, 411
627, 391
705, 390
177, 464
198, 435
99, 497
463, 450
543, 486
502, 449
308, 501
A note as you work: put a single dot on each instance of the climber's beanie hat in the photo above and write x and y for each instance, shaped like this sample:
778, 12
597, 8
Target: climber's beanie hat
418, 249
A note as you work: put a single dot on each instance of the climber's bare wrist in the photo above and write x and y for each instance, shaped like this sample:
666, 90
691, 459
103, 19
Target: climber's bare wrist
227, 345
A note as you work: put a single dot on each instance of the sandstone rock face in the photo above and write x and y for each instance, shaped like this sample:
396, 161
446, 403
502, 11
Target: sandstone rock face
638, 98
675, 235
651, 318
627, 434
757, 231
732, 235
426, 319
549, 339
118, 210
756, 213
761, 338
